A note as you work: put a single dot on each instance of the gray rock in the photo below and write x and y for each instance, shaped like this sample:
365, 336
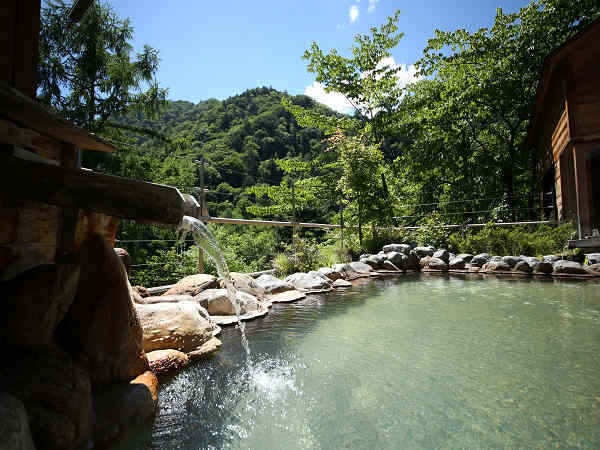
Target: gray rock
451, 255
217, 302
510, 260
311, 281
496, 258
345, 270
388, 265
438, 264
466, 257
593, 258
364, 256
396, 258
424, 262
443, 255
551, 258
273, 285
421, 252
400, 248
569, 267
495, 266
479, 260
180, 326
456, 263
372, 261
193, 284
594, 269
341, 284
411, 261
359, 268
14, 424
523, 266
330, 273
245, 283
543, 267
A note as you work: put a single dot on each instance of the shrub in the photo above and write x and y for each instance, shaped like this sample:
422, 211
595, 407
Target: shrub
519, 240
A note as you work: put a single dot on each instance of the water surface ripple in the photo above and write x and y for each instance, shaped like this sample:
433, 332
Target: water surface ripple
416, 362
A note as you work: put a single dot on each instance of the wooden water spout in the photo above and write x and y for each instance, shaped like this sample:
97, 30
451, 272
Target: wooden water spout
84, 189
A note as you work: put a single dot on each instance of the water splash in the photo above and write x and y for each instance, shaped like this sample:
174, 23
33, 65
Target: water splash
206, 240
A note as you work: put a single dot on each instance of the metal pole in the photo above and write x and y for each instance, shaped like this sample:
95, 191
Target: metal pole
295, 217
200, 251
342, 228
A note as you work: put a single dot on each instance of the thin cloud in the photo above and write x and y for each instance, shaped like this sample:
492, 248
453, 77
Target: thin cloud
372, 4
334, 100
354, 13
338, 102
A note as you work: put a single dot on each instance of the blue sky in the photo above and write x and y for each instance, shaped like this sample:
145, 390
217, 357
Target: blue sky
221, 48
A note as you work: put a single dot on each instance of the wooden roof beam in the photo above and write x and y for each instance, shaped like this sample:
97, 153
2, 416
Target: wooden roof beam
78, 9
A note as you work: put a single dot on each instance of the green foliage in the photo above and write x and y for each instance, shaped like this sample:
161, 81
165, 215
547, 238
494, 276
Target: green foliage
304, 256
521, 240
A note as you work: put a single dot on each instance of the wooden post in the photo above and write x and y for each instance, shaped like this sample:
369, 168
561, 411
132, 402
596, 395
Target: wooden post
583, 189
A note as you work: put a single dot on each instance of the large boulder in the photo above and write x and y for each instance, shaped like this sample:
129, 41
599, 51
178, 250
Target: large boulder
388, 265
594, 269
101, 324
273, 285
424, 262
438, 264
311, 281
245, 283
56, 392
34, 303
396, 258
543, 267
375, 261
120, 406
551, 258
193, 284
422, 252
329, 273
358, 268
341, 284
167, 360
14, 425
495, 266
399, 248
523, 266
479, 260
442, 254
180, 326
511, 261
466, 257
457, 263
569, 267
218, 303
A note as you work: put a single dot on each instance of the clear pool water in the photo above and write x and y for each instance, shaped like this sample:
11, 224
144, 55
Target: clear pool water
414, 362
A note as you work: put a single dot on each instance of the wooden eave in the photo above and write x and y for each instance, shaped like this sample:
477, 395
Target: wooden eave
20, 109
78, 9
551, 63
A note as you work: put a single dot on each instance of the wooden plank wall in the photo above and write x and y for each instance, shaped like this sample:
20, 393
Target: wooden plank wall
19, 35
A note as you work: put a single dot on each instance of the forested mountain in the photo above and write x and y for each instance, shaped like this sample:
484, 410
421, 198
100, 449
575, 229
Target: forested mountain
240, 138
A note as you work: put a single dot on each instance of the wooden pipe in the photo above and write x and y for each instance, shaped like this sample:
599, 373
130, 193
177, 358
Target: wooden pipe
84, 189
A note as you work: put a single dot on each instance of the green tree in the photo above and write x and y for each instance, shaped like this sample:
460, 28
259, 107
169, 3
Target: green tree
86, 71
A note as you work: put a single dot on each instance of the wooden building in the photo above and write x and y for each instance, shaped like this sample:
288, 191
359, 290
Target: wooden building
565, 129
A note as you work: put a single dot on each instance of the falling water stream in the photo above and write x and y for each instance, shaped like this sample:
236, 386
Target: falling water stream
206, 240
